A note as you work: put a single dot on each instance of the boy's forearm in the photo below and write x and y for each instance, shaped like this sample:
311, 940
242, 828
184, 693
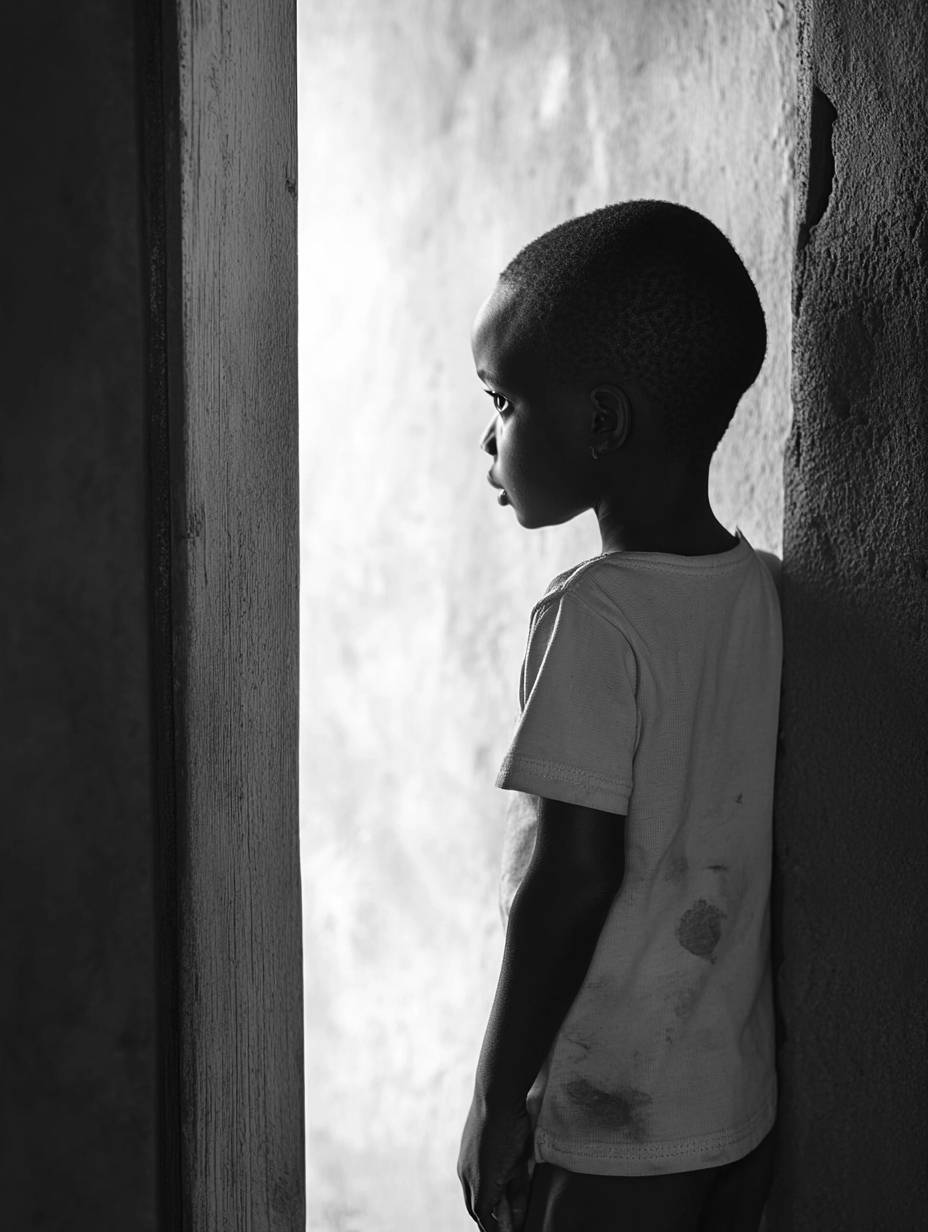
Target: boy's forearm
552, 933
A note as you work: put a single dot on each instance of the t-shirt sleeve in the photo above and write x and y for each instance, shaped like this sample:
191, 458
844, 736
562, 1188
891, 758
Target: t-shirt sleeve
575, 739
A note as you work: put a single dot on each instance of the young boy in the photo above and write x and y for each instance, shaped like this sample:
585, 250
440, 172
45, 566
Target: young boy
627, 1078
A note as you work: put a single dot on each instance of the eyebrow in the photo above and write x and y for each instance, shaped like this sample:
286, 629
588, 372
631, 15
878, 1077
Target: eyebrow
488, 377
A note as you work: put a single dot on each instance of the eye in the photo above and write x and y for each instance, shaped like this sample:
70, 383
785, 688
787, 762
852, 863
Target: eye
501, 397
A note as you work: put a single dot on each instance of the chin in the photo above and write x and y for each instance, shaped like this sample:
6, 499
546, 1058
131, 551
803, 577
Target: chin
525, 518
536, 521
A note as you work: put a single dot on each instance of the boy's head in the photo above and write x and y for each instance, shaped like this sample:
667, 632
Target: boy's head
634, 329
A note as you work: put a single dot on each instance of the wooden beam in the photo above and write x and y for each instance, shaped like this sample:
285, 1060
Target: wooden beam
232, 1039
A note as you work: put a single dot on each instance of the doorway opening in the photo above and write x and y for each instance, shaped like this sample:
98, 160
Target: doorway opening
435, 139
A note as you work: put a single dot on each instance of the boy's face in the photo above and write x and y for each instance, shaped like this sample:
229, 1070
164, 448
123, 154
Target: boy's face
540, 433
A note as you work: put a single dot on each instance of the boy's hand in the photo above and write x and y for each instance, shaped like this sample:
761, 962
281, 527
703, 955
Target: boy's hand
493, 1167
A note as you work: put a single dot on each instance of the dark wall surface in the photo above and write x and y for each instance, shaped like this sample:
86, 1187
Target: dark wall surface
77, 1011
852, 795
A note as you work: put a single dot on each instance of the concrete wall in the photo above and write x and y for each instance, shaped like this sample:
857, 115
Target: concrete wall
437, 138
77, 1014
852, 782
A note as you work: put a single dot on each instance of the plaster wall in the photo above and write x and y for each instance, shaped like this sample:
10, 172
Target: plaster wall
852, 780
77, 1013
436, 138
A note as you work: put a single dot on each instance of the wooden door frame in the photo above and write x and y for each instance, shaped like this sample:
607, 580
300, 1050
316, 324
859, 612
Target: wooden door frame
217, 115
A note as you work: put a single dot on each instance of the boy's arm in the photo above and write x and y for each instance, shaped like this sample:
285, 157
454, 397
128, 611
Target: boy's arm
556, 918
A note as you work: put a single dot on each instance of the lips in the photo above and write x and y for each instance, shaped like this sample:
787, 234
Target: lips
503, 498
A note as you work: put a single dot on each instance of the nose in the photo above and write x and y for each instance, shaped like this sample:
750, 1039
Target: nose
488, 440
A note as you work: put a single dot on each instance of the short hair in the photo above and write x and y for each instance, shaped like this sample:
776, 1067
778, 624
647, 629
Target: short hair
653, 290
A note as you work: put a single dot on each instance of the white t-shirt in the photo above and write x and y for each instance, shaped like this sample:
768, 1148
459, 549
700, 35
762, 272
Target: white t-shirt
651, 687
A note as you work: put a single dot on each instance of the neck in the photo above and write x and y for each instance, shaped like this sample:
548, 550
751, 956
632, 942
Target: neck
677, 518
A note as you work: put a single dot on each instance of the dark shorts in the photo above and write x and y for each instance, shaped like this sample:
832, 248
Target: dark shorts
726, 1199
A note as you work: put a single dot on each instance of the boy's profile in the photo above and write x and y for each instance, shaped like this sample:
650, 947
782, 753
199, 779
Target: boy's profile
627, 1076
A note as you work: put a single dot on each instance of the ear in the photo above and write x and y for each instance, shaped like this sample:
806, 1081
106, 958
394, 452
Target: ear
612, 416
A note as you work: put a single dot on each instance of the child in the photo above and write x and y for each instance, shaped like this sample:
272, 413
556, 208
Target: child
627, 1078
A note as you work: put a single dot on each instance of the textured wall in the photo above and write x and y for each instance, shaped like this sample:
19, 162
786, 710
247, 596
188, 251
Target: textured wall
77, 1013
436, 139
853, 777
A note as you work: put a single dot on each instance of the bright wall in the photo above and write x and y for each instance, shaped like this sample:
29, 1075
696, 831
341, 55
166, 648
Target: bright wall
436, 138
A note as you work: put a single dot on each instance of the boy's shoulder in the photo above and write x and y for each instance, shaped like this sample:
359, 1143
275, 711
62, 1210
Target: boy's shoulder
572, 579
771, 560
584, 580
773, 563
578, 581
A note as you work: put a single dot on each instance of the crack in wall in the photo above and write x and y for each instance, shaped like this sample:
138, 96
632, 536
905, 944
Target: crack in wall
821, 163
820, 180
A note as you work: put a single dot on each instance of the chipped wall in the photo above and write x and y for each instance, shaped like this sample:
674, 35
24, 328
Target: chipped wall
852, 780
436, 139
